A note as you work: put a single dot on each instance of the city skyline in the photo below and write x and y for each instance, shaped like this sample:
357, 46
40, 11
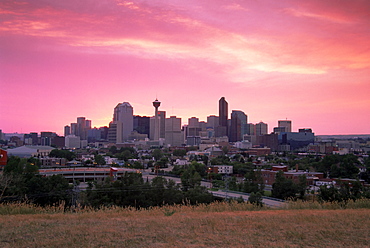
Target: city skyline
306, 62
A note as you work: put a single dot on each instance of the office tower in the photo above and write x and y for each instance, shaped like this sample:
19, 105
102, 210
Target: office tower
88, 124
193, 122
212, 121
34, 137
142, 124
193, 127
222, 129
72, 141
112, 133
74, 128
123, 117
279, 130
93, 135
27, 139
67, 130
162, 124
238, 125
287, 124
261, 128
156, 128
83, 125
173, 136
81, 128
251, 129
104, 133
47, 137
203, 125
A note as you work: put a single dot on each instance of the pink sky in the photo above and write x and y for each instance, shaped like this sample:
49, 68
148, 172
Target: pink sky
308, 61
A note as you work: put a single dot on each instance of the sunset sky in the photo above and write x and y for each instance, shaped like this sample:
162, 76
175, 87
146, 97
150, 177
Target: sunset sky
308, 61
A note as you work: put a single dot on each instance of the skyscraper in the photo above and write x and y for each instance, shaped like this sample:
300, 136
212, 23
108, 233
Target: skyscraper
193, 127
123, 117
173, 135
222, 129
162, 124
67, 130
287, 124
142, 124
261, 128
238, 125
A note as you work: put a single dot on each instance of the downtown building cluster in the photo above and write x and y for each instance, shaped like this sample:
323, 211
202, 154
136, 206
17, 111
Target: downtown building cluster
162, 131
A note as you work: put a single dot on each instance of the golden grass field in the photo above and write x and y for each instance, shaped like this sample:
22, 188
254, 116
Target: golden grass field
215, 225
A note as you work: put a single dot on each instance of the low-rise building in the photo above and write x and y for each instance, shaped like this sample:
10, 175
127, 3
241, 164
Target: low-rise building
269, 175
30, 151
221, 169
52, 162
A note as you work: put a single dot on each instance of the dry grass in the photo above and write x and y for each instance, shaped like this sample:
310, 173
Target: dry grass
215, 225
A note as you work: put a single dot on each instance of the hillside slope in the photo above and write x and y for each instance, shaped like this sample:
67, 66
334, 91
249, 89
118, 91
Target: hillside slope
162, 228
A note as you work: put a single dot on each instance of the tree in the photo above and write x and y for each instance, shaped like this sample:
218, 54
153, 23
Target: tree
344, 166
113, 149
198, 194
302, 186
253, 182
190, 179
56, 153
284, 188
99, 159
157, 154
179, 152
255, 199
22, 182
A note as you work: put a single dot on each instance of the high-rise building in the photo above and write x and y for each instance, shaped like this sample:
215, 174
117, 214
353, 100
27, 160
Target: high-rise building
193, 122
123, 117
112, 133
261, 128
173, 136
67, 130
212, 121
287, 124
47, 137
142, 124
238, 126
193, 127
74, 128
251, 129
81, 128
72, 141
222, 129
162, 125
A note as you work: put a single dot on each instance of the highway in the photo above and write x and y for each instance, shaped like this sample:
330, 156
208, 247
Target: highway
99, 173
268, 201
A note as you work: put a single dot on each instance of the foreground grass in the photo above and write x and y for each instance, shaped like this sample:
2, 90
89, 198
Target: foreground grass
215, 225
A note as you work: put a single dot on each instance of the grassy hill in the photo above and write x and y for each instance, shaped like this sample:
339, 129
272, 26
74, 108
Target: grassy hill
215, 225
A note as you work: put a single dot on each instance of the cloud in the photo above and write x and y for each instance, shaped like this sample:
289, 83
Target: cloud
159, 31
